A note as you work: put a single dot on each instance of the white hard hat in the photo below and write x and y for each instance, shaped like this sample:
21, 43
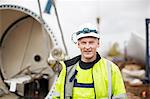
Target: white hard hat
86, 30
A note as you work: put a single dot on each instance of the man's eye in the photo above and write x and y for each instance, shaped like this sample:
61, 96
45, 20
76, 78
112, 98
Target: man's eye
83, 42
91, 42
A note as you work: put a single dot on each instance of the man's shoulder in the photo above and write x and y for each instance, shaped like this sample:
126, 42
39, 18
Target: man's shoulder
113, 65
107, 61
72, 61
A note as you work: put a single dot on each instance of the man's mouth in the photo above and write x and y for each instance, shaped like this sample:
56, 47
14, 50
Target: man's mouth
87, 52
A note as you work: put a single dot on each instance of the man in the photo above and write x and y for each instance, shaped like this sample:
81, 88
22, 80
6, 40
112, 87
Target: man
89, 76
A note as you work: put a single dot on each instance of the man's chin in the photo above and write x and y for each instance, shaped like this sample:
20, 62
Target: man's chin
88, 56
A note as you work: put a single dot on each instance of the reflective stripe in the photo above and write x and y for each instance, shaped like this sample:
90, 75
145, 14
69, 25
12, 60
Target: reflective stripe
73, 76
83, 85
109, 80
121, 96
56, 94
103, 98
69, 82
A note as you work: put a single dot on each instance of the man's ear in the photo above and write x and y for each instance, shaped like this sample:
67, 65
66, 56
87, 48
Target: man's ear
98, 43
78, 44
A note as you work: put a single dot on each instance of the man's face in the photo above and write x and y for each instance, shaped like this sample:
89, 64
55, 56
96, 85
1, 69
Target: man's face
88, 47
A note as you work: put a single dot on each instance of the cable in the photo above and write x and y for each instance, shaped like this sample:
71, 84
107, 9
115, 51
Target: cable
39, 5
53, 2
58, 21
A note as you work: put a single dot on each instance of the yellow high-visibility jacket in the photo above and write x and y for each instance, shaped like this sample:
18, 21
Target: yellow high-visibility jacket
65, 89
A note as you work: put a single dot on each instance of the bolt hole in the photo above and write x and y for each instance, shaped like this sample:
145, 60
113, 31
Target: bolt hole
37, 58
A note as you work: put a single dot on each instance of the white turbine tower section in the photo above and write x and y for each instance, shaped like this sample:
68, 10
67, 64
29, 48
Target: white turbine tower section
26, 39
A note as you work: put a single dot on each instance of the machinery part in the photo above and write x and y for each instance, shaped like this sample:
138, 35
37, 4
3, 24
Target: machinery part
57, 53
50, 93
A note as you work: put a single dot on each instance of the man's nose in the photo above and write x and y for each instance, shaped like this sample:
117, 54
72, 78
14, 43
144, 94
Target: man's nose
87, 45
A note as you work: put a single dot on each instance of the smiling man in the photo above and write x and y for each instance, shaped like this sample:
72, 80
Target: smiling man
89, 76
